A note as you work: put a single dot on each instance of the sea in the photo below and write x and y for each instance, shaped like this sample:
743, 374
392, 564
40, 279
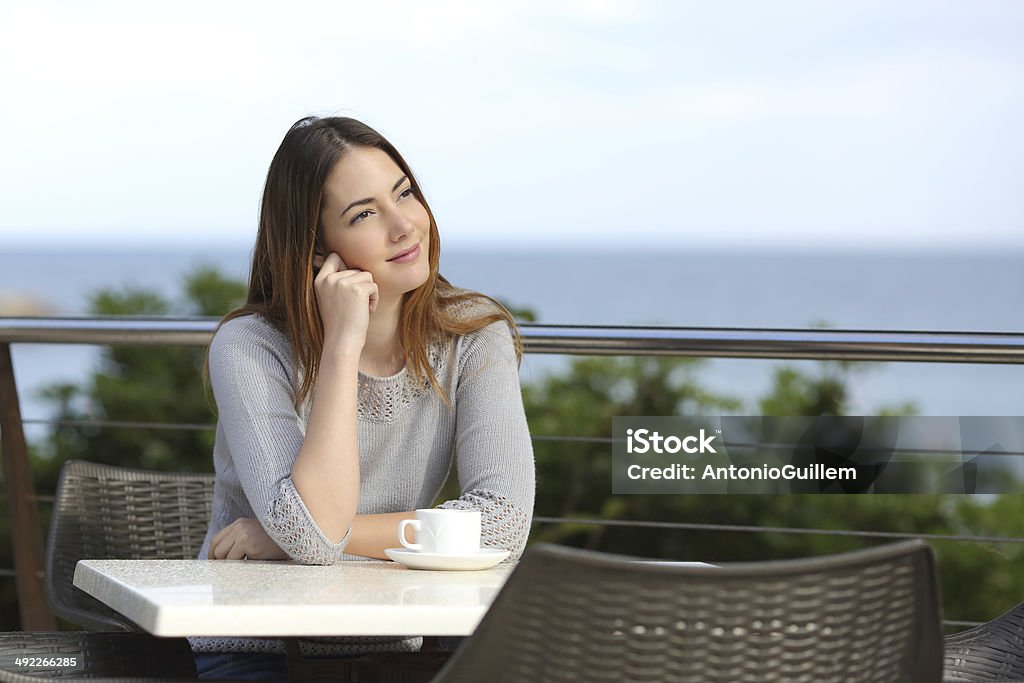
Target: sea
851, 289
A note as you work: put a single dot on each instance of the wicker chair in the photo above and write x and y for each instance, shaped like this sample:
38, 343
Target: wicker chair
572, 615
990, 652
124, 656
107, 512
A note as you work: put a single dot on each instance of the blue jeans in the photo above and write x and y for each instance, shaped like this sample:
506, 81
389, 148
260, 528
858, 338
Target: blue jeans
250, 666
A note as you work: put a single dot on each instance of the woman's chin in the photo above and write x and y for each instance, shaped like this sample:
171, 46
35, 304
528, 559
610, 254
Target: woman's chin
416, 280
401, 289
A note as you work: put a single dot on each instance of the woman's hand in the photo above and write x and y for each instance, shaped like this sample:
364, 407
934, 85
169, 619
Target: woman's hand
245, 539
346, 298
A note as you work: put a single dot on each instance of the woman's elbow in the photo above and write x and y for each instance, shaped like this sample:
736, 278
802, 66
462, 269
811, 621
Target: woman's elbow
321, 555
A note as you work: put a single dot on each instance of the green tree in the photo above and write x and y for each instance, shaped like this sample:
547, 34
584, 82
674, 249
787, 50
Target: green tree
149, 385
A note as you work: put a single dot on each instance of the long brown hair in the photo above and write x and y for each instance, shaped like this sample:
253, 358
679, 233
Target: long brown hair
281, 278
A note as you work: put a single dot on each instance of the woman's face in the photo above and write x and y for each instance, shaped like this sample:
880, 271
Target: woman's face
370, 215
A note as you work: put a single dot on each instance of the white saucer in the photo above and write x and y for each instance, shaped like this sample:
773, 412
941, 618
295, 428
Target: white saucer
483, 559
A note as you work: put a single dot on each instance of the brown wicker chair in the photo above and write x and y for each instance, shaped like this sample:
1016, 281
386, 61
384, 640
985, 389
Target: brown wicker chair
124, 656
572, 615
107, 512
990, 652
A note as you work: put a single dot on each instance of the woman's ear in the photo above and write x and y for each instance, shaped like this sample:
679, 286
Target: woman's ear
318, 257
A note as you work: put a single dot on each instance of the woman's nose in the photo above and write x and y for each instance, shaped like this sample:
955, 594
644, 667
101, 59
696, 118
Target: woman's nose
401, 225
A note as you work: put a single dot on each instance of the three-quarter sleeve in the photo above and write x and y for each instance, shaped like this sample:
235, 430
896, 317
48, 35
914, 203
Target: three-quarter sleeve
251, 378
492, 440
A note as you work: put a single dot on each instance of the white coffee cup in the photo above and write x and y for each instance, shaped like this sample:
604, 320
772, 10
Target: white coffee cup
447, 532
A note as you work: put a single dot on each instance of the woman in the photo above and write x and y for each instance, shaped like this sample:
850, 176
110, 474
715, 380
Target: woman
350, 375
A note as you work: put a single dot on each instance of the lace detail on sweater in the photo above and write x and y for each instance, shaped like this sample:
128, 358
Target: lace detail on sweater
468, 308
381, 399
502, 524
286, 514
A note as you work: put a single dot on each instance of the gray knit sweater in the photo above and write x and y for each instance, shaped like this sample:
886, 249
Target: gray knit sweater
407, 437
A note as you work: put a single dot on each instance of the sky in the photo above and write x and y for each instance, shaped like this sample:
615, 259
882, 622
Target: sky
586, 125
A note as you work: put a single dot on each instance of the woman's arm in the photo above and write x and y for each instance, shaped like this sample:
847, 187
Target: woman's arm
303, 485
492, 440
260, 436
246, 538
326, 471
371, 534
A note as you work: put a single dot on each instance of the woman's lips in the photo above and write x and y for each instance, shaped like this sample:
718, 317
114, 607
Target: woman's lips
411, 256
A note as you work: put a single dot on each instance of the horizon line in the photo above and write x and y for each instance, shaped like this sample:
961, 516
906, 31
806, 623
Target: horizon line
611, 247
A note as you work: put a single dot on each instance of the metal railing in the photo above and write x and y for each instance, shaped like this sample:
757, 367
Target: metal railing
779, 344
710, 342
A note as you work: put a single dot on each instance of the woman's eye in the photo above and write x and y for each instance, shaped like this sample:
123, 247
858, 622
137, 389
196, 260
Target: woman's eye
360, 216
407, 192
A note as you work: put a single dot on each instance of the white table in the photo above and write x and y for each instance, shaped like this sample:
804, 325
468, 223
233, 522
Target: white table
285, 599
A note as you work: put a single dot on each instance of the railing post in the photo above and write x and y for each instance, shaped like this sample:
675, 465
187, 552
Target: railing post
26, 540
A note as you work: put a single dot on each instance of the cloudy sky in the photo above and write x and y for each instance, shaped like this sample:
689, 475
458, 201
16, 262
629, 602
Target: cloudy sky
551, 122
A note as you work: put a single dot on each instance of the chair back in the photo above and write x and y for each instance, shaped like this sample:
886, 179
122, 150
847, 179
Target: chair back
571, 615
107, 512
993, 651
